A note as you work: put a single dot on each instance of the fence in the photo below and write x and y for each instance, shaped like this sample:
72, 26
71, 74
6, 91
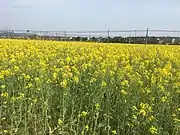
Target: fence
127, 36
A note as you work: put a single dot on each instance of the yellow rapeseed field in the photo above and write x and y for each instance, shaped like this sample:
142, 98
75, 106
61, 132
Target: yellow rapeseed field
76, 88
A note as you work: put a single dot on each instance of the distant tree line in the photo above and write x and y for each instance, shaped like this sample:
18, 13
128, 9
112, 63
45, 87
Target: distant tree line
116, 39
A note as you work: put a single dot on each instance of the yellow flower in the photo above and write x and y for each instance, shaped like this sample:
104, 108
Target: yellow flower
134, 117
37, 79
174, 115
164, 99
3, 86
153, 130
76, 79
114, 132
86, 127
13, 99
151, 118
103, 84
48, 81
142, 105
65, 75
145, 108
27, 77
68, 59
93, 80
140, 83
2, 77
164, 72
5, 131
29, 85
134, 108
5, 94
60, 122
84, 114
55, 76
63, 83
12, 60
67, 68
21, 96
124, 92
3, 118
16, 68
125, 83
111, 73
143, 112
178, 91
97, 106
176, 120
149, 109
148, 91
35, 100
70, 75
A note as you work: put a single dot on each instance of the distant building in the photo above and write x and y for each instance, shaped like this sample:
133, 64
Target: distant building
173, 41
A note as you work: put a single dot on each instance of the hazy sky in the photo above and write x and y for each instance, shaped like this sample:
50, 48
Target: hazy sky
89, 14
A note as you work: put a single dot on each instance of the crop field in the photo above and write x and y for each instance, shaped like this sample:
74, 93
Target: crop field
79, 88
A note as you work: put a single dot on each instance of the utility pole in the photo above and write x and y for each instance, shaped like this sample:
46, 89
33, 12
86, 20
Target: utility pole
108, 35
134, 35
129, 39
147, 33
41, 35
65, 35
7, 34
12, 36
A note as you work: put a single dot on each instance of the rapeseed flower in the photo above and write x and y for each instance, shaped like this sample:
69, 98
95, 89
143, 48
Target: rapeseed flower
153, 130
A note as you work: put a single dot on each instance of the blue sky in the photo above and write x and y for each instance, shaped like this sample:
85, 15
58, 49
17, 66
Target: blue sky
89, 14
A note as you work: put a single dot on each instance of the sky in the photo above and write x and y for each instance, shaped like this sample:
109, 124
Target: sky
89, 14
